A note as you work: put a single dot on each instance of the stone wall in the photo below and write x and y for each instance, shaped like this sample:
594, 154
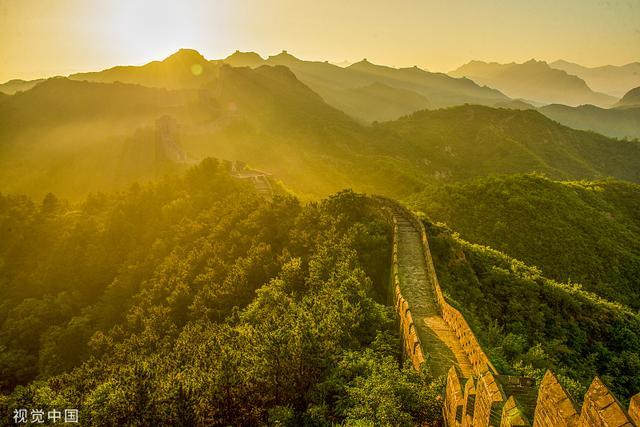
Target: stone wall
408, 333
481, 401
453, 317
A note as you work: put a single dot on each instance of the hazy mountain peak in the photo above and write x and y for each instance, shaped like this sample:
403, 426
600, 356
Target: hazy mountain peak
240, 54
414, 69
534, 80
365, 64
611, 79
363, 61
284, 56
630, 99
244, 59
185, 55
17, 85
562, 62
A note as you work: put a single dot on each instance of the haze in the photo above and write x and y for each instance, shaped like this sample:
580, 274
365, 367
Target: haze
45, 37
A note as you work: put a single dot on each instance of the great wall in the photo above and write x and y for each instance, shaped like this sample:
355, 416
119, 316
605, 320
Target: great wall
436, 334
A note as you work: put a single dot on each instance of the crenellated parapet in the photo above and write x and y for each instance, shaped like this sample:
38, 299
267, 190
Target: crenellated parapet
554, 406
601, 408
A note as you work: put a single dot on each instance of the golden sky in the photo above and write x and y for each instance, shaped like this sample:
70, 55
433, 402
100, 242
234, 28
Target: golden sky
51, 37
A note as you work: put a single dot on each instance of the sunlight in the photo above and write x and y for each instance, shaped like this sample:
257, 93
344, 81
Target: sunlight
151, 29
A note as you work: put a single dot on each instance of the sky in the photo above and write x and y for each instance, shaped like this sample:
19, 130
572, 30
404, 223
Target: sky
41, 38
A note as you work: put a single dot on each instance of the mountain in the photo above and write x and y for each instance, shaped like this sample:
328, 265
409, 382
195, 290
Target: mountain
379, 102
469, 141
60, 100
609, 79
72, 137
439, 88
583, 232
515, 104
630, 99
75, 137
341, 87
244, 59
17, 85
613, 122
533, 80
184, 69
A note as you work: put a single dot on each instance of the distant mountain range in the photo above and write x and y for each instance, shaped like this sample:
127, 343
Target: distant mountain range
75, 137
615, 122
630, 99
621, 121
363, 90
534, 81
609, 79
18, 85
185, 69
350, 88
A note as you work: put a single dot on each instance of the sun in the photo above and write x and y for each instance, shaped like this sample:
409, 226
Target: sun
152, 29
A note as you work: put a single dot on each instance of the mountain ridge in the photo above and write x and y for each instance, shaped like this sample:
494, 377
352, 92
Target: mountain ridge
614, 80
630, 99
269, 118
613, 122
533, 80
337, 84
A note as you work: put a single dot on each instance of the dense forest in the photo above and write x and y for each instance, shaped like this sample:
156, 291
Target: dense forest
193, 300
529, 323
585, 232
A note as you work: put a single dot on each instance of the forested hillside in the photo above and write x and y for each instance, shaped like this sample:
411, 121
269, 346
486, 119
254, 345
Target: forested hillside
471, 141
193, 301
529, 323
613, 122
583, 232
